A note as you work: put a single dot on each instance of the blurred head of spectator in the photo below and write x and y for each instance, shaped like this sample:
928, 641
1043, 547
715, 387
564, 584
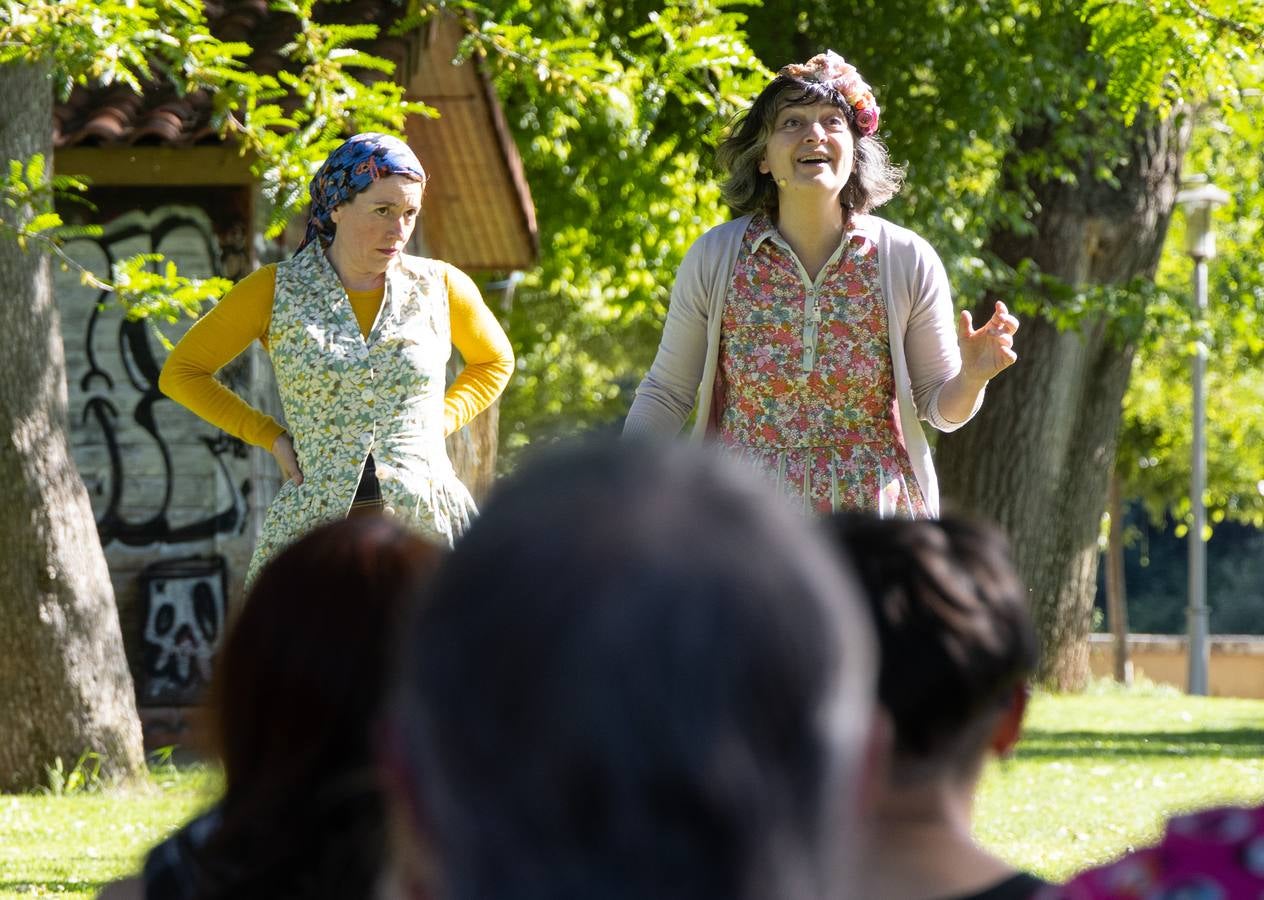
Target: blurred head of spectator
636, 676
957, 648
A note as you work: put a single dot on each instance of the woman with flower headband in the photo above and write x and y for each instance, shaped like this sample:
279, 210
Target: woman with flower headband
359, 333
810, 336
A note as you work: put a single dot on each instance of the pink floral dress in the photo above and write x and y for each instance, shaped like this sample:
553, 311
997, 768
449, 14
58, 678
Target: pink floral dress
806, 389
1216, 854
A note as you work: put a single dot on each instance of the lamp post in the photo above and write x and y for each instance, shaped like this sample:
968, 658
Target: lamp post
1199, 200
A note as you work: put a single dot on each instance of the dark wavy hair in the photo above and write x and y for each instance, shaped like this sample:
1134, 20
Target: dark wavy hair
747, 190
637, 675
954, 629
294, 701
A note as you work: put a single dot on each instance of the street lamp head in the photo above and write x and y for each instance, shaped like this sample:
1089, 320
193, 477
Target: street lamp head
1198, 201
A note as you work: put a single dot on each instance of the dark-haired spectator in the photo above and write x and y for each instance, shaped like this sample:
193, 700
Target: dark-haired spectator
636, 676
957, 648
297, 688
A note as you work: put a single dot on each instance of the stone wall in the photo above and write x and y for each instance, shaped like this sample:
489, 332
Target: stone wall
1236, 670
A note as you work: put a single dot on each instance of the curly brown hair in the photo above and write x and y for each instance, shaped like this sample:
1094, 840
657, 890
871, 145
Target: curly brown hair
747, 190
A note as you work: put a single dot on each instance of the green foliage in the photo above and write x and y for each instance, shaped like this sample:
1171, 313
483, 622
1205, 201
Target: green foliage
145, 285
106, 42
1170, 53
1208, 57
27, 194
618, 161
1133, 311
1155, 442
148, 287
286, 124
1155, 446
331, 91
84, 776
617, 108
1045, 92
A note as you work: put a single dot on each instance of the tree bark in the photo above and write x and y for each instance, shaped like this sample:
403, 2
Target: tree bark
64, 682
1038, 456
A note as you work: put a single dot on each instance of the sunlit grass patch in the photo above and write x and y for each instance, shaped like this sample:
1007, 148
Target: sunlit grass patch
1094, 775
63, 844
1098, 774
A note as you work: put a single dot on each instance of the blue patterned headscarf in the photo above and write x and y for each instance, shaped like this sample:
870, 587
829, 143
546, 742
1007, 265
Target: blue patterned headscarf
352, 168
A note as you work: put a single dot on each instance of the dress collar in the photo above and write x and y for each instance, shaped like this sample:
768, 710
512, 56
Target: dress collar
764, 229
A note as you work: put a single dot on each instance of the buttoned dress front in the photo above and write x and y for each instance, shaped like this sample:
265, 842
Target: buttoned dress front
346, 396
806, 389
922, 346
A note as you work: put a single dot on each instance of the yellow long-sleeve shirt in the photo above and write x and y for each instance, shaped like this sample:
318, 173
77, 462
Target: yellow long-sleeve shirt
244, 314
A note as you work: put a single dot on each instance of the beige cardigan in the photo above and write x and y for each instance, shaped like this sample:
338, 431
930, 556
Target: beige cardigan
922, 333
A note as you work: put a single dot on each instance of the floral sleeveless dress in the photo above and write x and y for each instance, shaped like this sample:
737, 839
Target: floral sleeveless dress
346, 397
806, 389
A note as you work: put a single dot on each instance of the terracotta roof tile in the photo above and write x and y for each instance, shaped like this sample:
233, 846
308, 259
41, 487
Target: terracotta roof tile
479, 213
116, 116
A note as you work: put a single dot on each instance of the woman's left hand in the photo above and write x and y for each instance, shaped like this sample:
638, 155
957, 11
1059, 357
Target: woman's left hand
988, 350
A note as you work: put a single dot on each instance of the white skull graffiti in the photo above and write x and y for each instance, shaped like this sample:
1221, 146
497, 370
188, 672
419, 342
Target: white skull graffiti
182, 632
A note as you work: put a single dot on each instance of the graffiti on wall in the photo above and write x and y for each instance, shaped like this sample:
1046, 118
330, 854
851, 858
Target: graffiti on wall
154, 472
185, 610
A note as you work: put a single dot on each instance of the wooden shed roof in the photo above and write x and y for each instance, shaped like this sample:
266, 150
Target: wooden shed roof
471, 159
478, 210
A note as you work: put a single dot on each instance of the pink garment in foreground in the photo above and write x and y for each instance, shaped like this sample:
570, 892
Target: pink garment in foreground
1217, 854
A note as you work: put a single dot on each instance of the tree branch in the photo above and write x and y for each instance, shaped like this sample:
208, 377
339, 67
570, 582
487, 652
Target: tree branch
1242, 30
53, 247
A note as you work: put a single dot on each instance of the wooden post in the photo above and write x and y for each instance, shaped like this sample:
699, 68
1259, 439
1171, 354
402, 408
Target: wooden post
1116, 590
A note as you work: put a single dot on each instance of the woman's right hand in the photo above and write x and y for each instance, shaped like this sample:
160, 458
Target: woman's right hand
283, 450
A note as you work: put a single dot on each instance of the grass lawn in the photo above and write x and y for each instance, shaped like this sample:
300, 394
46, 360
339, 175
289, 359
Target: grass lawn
70, 845
1094, 775
1097, 774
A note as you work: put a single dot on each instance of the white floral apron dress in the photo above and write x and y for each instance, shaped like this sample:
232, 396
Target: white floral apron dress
346, 396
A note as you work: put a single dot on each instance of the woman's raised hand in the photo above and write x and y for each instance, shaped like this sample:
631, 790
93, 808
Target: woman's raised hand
988, 350
283, 450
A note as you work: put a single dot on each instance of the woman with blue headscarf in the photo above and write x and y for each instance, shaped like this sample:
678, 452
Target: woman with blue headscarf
359, 333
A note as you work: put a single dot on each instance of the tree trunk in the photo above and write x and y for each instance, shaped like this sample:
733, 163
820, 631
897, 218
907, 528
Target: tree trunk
1116, 587
1037, 458
64, 682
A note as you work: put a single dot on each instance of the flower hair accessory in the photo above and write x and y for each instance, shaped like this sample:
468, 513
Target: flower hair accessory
832, 71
